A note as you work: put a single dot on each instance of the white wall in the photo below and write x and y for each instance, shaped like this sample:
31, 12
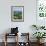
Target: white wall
29, 15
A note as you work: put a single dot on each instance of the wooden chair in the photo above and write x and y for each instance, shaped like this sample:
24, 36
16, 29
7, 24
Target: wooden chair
8, 34
25, 36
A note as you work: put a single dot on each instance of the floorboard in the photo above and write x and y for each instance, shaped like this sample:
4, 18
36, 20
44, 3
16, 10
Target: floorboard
13, 44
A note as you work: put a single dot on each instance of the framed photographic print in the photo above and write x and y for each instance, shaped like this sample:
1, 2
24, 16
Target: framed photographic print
17, 13
41, 8
41, 12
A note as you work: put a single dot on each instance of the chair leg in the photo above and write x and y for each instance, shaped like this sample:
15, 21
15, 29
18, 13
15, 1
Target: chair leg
5, 40
17, 39
5, 43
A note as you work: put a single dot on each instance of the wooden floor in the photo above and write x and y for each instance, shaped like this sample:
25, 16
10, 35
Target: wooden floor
13, 44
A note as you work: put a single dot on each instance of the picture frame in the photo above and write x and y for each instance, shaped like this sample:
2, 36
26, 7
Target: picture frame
17, 13
41, 12
41, 8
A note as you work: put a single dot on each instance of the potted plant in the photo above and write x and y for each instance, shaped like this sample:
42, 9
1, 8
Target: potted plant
39, 35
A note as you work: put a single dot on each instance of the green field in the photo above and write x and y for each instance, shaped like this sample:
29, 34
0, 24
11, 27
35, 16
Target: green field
17, 15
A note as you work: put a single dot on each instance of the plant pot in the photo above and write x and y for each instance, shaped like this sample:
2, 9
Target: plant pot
40, 41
